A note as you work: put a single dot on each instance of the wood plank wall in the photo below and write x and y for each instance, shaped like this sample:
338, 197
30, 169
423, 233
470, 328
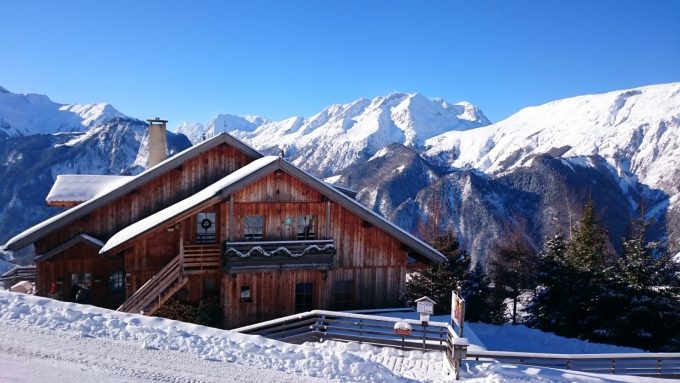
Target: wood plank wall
79, 259
375, 262
173, 186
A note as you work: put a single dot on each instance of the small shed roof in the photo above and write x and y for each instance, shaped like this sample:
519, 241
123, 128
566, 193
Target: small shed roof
82, 187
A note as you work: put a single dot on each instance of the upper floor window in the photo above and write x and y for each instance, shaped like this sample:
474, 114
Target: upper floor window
205, 228
254, 227
306, 227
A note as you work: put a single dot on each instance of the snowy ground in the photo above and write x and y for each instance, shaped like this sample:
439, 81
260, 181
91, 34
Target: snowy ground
45, 340
521, 338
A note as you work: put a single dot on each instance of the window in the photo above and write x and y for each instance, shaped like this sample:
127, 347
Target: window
205, 228
246, 295
117, 283
304, 297
254, 227
80, 287
306, 227
343, 295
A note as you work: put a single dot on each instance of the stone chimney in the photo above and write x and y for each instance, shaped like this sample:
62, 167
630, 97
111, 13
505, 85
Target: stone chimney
157, 142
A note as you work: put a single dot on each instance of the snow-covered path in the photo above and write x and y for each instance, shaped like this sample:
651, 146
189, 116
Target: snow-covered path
32, 354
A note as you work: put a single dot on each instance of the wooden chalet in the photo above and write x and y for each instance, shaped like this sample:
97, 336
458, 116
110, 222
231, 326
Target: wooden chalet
221, 220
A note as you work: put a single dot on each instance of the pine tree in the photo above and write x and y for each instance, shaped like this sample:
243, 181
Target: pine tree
437, 281
481, 304
648, 313
550, 309
588, 245
513, 268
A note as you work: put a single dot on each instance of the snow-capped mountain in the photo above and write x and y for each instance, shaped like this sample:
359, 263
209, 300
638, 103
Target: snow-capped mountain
536, 168
197, 132
26, 114
30, 164
406, 154
635, 130
344, 134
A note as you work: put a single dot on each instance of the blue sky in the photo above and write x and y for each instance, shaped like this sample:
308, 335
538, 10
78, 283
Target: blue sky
189, 60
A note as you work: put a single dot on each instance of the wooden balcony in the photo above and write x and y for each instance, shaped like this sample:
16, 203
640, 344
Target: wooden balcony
273, 255
198, 259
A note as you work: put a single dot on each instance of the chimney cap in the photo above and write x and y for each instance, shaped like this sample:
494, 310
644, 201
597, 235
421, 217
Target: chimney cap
156, 120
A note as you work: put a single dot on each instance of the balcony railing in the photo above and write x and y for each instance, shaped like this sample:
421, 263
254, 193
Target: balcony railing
267, 255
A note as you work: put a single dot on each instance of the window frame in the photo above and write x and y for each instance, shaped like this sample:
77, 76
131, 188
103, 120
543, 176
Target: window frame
253, 233
204, 235
305, 291
306, 227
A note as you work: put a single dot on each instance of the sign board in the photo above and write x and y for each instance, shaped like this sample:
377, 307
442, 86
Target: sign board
457, 311
425, 307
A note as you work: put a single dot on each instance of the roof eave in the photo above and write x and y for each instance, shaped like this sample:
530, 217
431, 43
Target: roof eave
27, 237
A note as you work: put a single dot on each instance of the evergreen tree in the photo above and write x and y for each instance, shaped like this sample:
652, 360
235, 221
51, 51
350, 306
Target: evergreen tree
438, 280
552, 304
481, 304
588, 246
648, 311
513, 268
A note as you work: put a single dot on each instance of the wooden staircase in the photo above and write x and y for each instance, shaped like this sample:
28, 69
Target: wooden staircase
151, 296
201, 258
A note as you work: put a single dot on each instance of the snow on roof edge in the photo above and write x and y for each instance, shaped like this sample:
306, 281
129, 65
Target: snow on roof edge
175, 209
25, 238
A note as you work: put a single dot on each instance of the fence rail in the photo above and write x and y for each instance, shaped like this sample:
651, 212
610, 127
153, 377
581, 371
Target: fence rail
320, 325
642, 364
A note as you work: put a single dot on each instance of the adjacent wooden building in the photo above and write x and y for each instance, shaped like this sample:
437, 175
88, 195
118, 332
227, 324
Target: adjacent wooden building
222, 220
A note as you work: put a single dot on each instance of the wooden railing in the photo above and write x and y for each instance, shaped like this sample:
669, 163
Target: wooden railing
321, 325
147, 299
267, 255
197, 259
643, 364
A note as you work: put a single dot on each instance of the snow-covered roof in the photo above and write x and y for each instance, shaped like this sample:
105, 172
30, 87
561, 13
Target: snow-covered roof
206, 195
34, 233
250, 173
81, 187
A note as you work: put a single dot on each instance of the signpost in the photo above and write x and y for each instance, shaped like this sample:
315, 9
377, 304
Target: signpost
457, 311
425, 306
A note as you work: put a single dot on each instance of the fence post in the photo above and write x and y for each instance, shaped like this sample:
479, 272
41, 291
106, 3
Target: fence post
424, 334
658, 366
613, 368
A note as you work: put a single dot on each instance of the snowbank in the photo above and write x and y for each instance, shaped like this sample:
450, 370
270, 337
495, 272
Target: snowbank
43, 339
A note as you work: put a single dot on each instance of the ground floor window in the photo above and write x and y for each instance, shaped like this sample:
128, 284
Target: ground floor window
117, 283
304, 297
80, 287
343, 295
246, 294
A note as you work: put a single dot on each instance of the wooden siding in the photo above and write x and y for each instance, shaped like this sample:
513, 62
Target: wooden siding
375, 262
147, 256
80, 259
173, 186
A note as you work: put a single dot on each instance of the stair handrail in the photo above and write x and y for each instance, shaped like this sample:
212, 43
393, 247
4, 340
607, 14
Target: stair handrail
149, 288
